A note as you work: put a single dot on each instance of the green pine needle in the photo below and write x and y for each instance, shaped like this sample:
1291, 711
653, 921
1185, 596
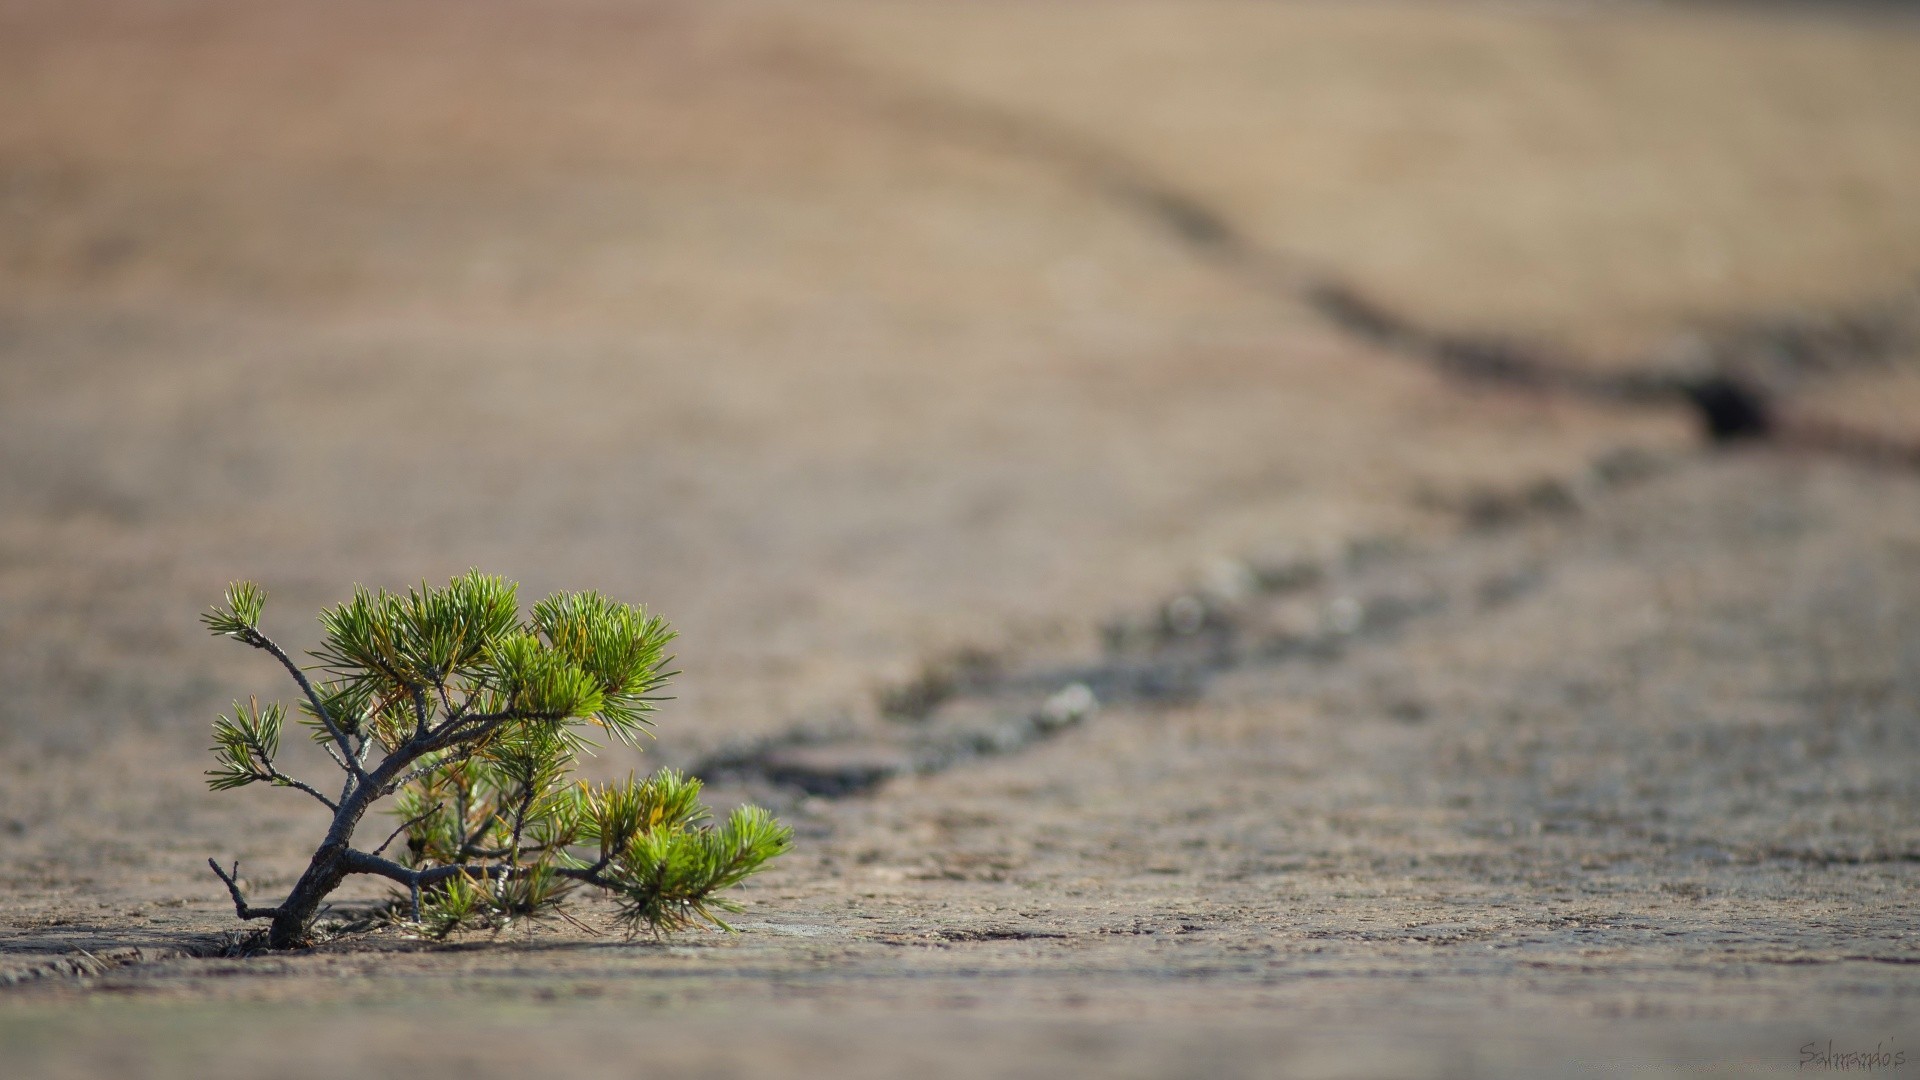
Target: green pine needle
241, 613
473, 718
245, 745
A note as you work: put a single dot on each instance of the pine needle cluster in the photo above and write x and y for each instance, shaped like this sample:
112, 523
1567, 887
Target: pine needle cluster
472, 718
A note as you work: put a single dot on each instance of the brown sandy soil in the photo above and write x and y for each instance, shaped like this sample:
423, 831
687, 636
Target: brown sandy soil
1445, 728
1600, 178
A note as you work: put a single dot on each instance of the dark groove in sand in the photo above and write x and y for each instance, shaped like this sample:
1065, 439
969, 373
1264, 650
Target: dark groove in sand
1730, 374
975, 706
1189, 640
1730, 383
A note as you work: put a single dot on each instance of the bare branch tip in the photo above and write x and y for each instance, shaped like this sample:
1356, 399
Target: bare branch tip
240, 905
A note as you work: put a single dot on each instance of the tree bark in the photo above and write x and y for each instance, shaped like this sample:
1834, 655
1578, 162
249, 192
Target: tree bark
293, 925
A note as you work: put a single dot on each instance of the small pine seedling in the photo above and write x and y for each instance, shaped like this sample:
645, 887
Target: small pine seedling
472, 717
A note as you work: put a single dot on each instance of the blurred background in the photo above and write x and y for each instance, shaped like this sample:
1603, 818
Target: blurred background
849, 332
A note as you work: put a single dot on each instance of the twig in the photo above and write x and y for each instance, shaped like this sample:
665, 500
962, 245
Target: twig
419, 712
259, 640
520, 820
274, 775
565, 914
240, 905
449, 731
336, 759
407, 825
442, 739
360, 862
590, 875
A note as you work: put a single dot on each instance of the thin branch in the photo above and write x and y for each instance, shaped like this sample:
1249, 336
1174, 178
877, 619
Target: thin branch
419, 712
501, 853
450, 733
606, 859
455, 723
282, 779
469, 842
590, 874
335, 755
439, 734
446, 704
462, 806
562, 912
414, 751
441, 873
520, 819
454, 712
417, 819
240, 905
360, 862
259, 640
409, 777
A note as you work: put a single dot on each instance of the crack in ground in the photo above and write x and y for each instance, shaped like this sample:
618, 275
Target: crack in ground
975, 705
1733, 375
81, 963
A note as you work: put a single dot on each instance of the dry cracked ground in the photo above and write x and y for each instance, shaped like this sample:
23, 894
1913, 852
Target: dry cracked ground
1198, 512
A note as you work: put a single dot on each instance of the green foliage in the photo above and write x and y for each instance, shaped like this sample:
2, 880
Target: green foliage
463, 901
646, 841
241, 613
385, 641
581, 657
472, 719
668, 879
245, 744
619, 647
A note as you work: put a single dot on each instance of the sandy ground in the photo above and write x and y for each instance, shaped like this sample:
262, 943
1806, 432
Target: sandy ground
1445, 729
